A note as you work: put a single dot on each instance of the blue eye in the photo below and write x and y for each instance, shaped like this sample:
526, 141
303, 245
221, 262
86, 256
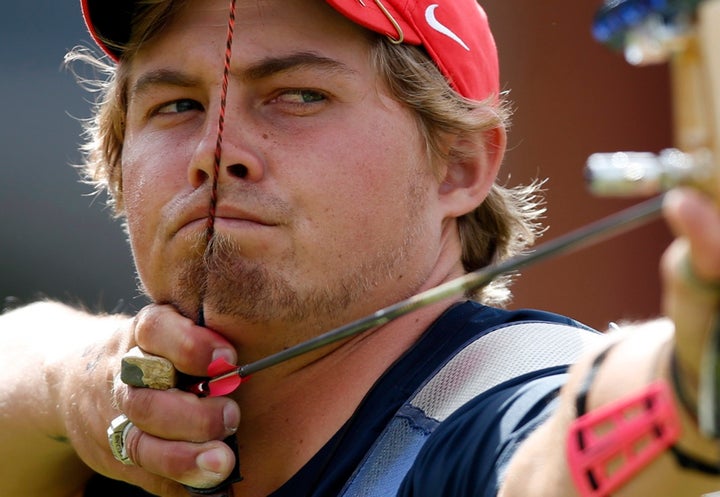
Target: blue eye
302, 96
178, 106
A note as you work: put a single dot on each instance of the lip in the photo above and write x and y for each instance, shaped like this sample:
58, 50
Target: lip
225, 216
232, 213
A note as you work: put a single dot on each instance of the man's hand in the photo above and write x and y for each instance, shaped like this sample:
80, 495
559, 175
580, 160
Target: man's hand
691, 273
176, 438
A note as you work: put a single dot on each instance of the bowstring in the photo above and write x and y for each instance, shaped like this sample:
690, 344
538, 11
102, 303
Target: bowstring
210, 227
225, 488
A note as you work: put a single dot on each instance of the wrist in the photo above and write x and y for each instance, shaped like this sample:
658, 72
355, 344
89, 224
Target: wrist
79, 377
694, 450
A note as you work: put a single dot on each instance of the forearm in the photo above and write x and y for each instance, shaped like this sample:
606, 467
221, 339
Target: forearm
691, 299
43, 349
641, 356
59, 392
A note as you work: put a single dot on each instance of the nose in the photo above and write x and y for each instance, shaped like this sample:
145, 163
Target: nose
230, 157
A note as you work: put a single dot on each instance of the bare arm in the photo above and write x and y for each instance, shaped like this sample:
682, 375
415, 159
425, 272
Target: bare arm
641, 356
59, 392
41, 345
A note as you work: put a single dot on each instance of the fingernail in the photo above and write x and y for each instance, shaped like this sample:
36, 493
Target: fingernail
227, 354
216, 461
231, 417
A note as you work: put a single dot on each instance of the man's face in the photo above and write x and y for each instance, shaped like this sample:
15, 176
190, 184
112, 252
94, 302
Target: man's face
326, 205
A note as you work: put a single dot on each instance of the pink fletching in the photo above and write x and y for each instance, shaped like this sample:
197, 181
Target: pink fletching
223, 386
220, 366
226, 386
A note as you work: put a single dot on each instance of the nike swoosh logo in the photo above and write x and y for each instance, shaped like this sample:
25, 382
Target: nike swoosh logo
440, 27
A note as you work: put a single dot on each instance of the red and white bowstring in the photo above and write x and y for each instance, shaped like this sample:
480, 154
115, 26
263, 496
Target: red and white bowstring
210, 228
225, 488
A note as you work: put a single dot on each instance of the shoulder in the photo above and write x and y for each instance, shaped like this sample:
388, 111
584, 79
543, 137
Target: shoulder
470, 318
496, 388
469, 451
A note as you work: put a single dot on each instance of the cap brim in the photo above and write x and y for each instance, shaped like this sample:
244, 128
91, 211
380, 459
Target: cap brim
108, 22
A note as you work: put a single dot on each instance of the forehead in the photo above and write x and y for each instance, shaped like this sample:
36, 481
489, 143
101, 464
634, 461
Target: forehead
263, 28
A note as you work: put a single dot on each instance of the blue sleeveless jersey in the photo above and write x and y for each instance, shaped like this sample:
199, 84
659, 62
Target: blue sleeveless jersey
466, 454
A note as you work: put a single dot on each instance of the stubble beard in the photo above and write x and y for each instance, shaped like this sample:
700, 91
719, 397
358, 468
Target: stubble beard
220, 279
224, 282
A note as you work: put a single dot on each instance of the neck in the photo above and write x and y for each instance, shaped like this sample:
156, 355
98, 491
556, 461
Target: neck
290, 411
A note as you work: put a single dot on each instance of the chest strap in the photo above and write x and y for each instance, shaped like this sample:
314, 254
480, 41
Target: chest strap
499, 355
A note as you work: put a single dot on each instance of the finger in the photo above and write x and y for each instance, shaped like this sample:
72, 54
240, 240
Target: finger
696, 218
161, 330
177, 415
690, 269
202, 465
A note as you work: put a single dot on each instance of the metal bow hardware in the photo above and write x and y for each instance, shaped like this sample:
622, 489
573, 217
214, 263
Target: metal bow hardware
685, 34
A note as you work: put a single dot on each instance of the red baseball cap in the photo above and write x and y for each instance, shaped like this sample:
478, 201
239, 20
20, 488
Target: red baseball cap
455, 33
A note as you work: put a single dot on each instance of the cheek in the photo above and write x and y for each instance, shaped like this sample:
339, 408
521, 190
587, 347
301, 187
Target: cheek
382, 168
149, 183
153, 167
136, 179
368, 183
138, 213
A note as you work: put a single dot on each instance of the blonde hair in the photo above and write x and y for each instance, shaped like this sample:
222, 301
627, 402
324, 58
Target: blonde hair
505, 224
104, 131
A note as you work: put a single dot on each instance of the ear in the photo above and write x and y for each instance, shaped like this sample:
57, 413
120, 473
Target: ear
471, 170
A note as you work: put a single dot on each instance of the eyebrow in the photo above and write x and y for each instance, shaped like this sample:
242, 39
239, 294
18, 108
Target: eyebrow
162, 77
271, 66
263, 69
